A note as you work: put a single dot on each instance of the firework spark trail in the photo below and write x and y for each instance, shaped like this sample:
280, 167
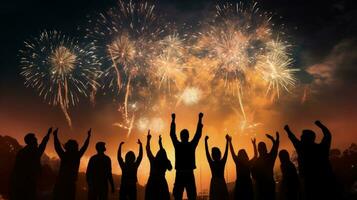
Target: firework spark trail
127, 97
63, 106
59, 69
118, 79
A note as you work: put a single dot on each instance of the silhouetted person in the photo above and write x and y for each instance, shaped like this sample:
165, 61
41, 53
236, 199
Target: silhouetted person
70, 156
289, 186
218, 187
157, 188
129, 170
243, 187
99, 174
27, 168
262, 169
314, 164
185, 159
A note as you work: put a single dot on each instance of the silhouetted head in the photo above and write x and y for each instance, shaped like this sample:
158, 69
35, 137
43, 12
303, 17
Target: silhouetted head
130, 157
284, 156
30, 139
100, 147
71, 146
184, 135
243, 156
262, 148
161, 155
216, 154
308, 137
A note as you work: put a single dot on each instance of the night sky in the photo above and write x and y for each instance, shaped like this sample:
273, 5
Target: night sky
323, 34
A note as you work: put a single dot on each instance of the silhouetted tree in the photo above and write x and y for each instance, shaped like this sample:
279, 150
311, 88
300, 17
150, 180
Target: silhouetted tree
8, 150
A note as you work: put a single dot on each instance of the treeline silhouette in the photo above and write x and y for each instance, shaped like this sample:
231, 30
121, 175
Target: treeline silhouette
321, 173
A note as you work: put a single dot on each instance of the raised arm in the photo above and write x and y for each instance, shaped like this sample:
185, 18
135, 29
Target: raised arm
326, 140
140, 156
234, 155
173, 130
44, 141
198, 133
292, 136
207, 151
57, 143
86, 144
254, 142
148, 149
275, 147
225, 155
120, 159
160, 142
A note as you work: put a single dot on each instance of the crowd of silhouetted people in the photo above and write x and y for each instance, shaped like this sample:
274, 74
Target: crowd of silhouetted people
313, 180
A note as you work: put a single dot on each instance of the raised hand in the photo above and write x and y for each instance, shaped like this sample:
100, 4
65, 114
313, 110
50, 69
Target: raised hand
200, 115
121, 143
55, 132
160, 142
206, 138
49, 131
139, 142
228, 138
270, 137
89, 132
287, 128
173, 116
319, 124
254, 141
149, 135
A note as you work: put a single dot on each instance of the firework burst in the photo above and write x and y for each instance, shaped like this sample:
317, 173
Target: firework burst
59, 69
233, 39
275, 68
126, 36
169, 63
